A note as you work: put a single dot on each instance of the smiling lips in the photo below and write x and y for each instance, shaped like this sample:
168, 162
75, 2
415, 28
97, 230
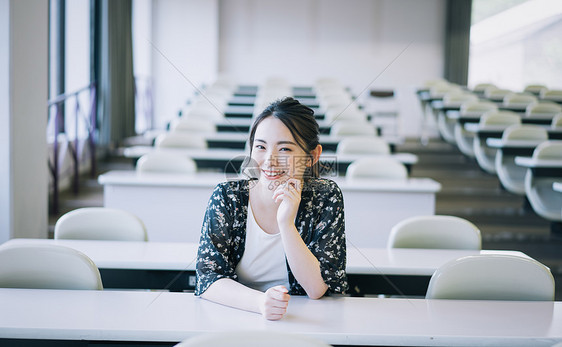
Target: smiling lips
273, 174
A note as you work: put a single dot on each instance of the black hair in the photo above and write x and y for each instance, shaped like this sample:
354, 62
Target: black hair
300, 121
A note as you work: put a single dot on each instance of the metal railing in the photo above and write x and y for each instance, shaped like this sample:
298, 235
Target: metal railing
90, 120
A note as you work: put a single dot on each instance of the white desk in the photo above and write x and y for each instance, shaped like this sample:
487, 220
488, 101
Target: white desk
219, 159
531, 162
514, 144
557, 186
173, 206
172, 317
156, 264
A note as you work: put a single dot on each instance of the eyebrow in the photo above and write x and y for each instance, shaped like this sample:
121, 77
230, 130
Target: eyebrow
279, 143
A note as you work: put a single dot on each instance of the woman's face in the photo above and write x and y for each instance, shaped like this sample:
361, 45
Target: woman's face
277, 153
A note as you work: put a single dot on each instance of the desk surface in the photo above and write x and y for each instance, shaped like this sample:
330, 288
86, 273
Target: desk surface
181, 256
211, 179
227, 154
538, 163
173, 317
500, 143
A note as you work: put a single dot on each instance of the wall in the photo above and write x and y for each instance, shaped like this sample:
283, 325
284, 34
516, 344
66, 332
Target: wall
365, 43
184, 52
23, 93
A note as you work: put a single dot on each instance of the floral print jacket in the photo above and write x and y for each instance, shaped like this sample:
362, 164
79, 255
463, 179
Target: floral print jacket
320, 222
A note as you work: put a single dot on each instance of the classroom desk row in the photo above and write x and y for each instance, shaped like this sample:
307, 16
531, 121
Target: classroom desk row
230, 160
72, 317
171, 265
172, 206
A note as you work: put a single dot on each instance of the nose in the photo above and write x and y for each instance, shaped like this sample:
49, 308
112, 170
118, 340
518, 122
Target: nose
272, 159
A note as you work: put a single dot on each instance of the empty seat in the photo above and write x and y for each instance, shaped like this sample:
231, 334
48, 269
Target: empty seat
47, 267
463, 138
543, 109
100, 223
499, 120
496, 94
445, 125
535, 89
363, 145
551, 94
194, 125
379, 167
519, 100
436, 232
511, 175
546, 202
492, 277
164, 162
353, 128
176, 139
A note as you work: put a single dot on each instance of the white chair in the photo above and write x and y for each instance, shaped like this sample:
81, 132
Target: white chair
480, 88
511, 175
496, 94
100, 223
543, 109
363, 145
353, 128
164, 162
379, 167
251, 338
435, 232
193, 125
556, 121
176, 139
499, 120
344, 112
551, 94
519, 100
445, 125
535, 89
463, 138
546, 202
492, 277
47, 267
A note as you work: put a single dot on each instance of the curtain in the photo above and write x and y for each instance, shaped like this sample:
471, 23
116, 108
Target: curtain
457, 40
116, 80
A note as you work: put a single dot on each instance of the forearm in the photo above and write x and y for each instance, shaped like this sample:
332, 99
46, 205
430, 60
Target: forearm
304, 265
228, 292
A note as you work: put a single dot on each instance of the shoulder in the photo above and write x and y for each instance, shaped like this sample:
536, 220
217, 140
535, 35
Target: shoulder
322, 186
231, 188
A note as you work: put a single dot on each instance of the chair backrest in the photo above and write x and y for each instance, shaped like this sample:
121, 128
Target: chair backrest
496, 94
543, 108
534, 88
481, 87
251, 339
100, 223
363, 145
47, 267
492, 277
345, 112
519, 99
436, 232
440, 89
557, 121
352, 128
525, 132
457, 98
551, 94
549, 150
163, 162
477, 107
176, 139
195, 125
380, 167
500, 118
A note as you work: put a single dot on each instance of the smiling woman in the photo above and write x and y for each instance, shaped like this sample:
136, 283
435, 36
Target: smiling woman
283, 235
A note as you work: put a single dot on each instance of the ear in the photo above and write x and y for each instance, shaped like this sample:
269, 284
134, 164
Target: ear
315, 154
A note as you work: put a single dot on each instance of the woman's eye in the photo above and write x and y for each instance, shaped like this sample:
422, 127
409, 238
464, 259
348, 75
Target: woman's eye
259, 147
285, 149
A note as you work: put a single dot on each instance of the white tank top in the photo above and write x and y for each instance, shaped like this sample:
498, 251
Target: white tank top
263, 263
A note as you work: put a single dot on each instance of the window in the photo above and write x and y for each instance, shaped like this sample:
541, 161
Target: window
514, 43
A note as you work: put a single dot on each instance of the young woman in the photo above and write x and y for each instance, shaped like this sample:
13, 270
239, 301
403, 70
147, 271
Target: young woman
281, 234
